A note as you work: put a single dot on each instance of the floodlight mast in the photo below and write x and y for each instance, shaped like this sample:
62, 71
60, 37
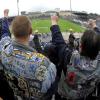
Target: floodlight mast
71, 6
18, 6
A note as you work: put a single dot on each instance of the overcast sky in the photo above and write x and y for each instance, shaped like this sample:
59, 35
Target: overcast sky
43, 5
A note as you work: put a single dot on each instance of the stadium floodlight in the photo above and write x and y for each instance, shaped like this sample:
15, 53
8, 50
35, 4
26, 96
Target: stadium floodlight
71, 5
18, 6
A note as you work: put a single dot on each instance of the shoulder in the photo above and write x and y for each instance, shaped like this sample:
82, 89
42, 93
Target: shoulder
75, 58
44, 61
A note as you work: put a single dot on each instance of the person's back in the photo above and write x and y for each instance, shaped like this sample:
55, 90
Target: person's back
30, 73
83, 69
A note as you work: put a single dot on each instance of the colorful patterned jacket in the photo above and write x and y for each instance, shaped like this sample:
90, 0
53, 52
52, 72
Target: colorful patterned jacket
29, 71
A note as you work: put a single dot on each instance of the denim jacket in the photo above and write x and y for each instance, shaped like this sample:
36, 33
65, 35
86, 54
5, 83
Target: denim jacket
34, 72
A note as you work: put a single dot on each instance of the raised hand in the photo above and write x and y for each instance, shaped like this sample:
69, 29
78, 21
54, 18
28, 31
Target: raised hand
6, 12
54, 20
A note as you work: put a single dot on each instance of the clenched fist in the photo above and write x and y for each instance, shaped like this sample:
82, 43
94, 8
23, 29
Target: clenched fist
54, 20
6, 12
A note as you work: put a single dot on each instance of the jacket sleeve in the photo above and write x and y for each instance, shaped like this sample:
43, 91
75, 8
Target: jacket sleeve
6, 42
5, 28
50, 76
5, 34
57, 37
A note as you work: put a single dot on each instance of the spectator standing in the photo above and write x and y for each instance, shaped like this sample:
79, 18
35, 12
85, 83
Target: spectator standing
31, 74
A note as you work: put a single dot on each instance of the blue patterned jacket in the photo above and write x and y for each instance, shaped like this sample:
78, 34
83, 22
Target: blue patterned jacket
34, 72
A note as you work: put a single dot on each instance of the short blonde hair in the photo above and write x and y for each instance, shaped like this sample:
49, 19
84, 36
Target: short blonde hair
21, 26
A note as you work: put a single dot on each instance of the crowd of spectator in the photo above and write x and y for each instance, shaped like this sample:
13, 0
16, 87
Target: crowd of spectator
56, 70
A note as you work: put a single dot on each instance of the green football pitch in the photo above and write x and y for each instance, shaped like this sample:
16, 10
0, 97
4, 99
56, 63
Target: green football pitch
43, 25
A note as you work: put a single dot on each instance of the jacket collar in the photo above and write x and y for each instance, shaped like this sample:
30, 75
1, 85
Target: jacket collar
26, 47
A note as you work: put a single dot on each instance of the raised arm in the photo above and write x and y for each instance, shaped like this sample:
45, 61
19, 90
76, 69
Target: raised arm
5, 25
5, 42
57, 37
63, 51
